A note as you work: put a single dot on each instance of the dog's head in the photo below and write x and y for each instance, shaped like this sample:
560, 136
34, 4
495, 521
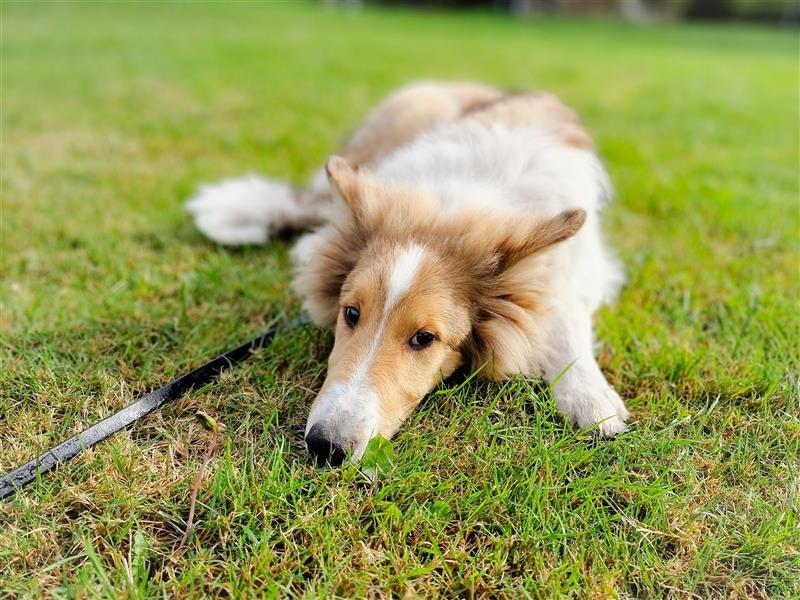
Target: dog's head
414, 293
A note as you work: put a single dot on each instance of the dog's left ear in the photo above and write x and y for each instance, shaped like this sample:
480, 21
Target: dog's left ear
525, 239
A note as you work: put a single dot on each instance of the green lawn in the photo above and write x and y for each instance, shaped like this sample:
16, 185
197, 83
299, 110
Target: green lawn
111, 114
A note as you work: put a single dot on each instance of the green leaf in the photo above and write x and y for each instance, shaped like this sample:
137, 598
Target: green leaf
140, 551
378, 458
442, 509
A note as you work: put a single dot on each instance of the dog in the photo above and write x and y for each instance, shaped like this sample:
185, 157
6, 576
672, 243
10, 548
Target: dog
458, 226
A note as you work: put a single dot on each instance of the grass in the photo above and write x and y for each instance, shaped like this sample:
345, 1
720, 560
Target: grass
112, 114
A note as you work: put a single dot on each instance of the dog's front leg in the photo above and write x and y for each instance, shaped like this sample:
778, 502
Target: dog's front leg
581, 392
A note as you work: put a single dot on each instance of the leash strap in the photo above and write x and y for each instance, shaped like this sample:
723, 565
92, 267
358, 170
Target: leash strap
25, 474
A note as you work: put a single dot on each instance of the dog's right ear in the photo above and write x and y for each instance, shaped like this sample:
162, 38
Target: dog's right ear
345, 181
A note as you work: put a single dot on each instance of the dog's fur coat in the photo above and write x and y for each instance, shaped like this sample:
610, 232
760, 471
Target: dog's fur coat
458, 211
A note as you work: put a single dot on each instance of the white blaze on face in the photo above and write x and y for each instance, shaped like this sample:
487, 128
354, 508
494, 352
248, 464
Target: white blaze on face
350, 411
404, 272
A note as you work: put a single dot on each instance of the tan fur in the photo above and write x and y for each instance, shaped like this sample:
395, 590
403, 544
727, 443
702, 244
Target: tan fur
344, 180
538, 109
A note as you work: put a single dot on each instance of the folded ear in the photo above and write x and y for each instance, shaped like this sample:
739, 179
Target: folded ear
344, 180
526, 239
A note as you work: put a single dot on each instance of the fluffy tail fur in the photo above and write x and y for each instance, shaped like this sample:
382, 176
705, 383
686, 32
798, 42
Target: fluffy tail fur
247, 210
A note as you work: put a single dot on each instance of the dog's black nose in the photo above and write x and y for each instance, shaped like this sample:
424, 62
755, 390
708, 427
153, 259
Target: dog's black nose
322, 450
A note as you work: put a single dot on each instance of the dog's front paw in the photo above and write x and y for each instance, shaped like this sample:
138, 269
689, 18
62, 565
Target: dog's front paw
598, 406
243, 210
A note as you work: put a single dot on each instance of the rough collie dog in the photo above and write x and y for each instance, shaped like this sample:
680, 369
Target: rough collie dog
459, 225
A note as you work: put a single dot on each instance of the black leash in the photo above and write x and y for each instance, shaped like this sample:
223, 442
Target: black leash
24, 474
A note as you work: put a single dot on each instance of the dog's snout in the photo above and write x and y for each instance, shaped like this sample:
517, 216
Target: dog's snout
322, 450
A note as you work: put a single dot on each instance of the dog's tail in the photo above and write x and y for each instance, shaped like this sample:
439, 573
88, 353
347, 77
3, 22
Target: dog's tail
247, 210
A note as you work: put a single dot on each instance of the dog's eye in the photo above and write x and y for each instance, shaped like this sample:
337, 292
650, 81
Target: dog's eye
421, 339
351, 315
